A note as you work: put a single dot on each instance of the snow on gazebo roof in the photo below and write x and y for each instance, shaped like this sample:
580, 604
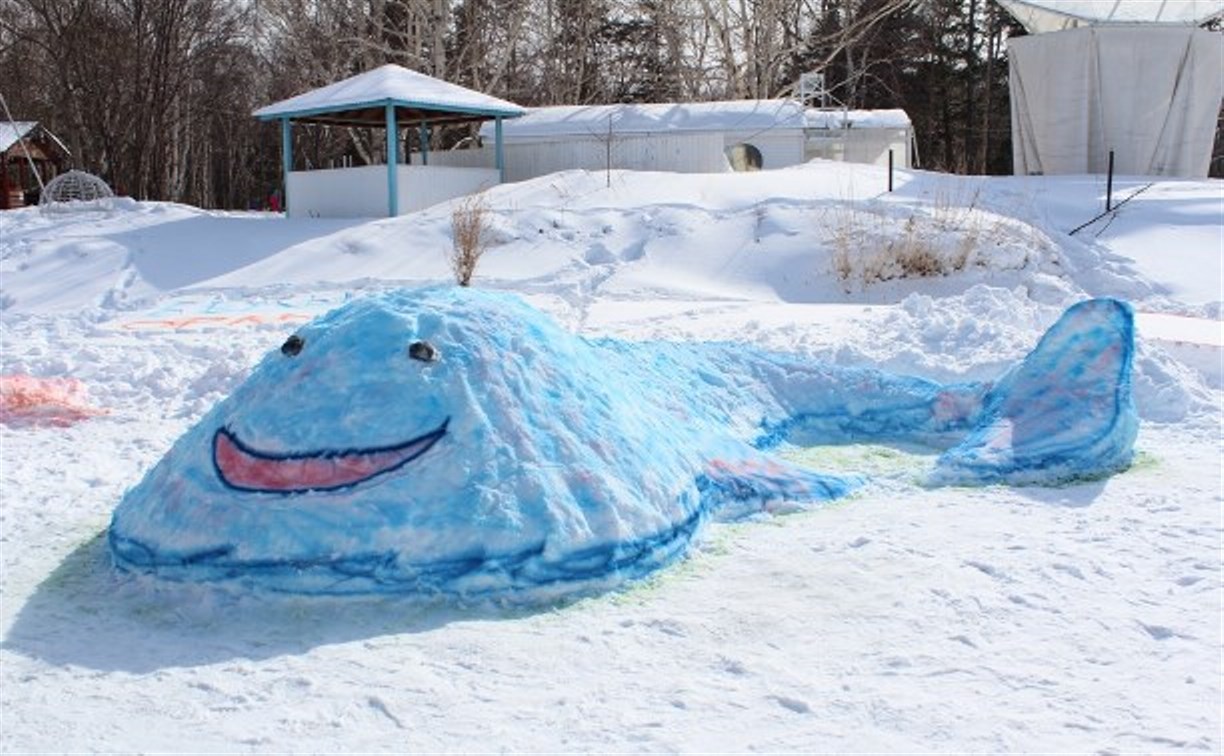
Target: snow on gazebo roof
655, 117
361, 99
12, 132
1055, 15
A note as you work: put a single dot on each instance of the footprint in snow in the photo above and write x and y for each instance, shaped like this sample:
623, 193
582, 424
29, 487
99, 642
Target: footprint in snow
792, 704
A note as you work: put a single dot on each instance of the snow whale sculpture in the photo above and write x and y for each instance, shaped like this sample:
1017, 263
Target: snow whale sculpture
458, 442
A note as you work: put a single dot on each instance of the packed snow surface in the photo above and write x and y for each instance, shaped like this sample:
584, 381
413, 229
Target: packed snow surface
1084, 617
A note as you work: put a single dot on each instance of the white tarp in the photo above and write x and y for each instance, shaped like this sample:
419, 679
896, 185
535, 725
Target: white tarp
1040, 16
1149, 93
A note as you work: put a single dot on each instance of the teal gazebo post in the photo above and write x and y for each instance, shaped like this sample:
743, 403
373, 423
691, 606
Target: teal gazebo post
497, 148
286, 163
392, 163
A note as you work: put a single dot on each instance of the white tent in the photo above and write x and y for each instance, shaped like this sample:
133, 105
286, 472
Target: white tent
1135, 78
1040, 16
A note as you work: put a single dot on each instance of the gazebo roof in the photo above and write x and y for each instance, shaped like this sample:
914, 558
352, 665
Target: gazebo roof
12, 132
1055, 15
361, 100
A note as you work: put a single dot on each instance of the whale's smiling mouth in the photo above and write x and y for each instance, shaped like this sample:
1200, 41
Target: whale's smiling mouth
241, 467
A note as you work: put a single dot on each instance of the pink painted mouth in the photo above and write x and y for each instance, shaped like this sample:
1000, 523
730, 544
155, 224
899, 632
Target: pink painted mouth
246, 469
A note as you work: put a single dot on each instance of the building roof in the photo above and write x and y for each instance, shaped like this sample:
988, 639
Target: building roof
570, 120
361, 101
893, 118
12, 132
654, 118
1055, 15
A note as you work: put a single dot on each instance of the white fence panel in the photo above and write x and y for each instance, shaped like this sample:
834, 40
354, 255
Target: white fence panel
361, 192
421, 186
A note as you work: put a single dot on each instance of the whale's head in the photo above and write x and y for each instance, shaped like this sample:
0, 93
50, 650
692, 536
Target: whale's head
433, 440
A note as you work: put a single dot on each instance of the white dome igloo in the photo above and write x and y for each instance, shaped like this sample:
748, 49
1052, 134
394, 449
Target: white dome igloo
75, 186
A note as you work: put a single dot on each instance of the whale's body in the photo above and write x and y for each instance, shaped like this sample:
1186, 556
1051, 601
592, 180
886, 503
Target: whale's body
450, 441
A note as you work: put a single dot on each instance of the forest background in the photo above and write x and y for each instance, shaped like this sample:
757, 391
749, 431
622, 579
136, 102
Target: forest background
156, 95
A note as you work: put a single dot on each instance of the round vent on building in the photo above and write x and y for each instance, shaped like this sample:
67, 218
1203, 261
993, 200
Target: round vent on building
744, 157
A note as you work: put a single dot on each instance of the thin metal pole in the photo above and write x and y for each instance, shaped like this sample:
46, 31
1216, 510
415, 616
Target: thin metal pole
1109, 184
286, 163
500, 157
890, 169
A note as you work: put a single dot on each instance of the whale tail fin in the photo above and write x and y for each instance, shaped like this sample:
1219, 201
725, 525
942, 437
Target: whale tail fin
1064, 413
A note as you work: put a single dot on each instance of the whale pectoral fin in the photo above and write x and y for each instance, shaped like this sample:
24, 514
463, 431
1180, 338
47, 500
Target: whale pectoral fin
742, 487
1064, 413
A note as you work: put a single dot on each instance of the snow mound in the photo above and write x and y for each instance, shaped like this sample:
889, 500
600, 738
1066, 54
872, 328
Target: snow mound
458, 442
29, 400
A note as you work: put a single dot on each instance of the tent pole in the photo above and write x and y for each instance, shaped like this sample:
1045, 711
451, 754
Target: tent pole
392, 168
424, 133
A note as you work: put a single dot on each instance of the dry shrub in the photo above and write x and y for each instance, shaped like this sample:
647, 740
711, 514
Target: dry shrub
873, 243
469, 237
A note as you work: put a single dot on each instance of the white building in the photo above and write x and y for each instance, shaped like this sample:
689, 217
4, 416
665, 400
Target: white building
861, 136
705, 137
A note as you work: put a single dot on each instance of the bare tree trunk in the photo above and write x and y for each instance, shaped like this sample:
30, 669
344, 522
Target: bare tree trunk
992, 50
970, 86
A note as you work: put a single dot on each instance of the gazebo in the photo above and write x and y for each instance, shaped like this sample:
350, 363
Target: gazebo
389, 97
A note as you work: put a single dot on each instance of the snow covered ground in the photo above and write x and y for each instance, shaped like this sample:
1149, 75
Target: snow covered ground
1079, 618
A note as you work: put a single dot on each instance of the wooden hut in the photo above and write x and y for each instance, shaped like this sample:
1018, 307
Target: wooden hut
23, 143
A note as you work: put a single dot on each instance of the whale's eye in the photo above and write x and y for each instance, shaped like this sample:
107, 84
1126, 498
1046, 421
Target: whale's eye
423, 351
292, 345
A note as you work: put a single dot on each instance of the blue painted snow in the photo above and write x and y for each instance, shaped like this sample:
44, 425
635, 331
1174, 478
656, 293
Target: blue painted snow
1065, 413
529, 464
